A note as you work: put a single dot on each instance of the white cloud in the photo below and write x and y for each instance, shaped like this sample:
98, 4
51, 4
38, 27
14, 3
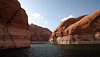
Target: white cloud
70, 16
46, 22
41, 17
37, 16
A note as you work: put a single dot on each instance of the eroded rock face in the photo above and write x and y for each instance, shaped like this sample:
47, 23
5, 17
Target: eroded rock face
14, 28
81, 30
39, 34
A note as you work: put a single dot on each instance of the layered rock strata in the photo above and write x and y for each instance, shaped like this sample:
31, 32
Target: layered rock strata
39, 34
81, 30
14, 28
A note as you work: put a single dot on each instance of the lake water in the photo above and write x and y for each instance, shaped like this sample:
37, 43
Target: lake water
52, 50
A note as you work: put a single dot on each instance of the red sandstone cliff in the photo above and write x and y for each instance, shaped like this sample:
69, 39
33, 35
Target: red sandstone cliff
63, 25
76, 30
14, 29
38, 33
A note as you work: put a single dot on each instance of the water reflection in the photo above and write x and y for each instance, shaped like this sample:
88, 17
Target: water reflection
22, 52
79, 50
49, 50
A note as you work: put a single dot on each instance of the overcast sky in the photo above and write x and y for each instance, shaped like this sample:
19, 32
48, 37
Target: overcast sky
49, 13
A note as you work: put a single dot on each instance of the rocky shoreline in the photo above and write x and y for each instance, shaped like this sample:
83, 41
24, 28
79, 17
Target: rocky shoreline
39, 42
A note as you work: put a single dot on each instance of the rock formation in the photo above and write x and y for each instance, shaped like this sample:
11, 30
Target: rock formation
81, 30
14, 28
39, 34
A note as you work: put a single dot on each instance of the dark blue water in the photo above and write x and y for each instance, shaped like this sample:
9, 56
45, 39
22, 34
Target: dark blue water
51, 50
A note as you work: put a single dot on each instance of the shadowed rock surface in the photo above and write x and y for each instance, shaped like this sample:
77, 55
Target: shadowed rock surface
38, 33
14, 28
81, 30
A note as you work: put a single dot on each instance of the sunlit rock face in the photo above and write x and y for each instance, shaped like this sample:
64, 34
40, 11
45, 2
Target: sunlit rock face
38, 33
14, 28
81, 30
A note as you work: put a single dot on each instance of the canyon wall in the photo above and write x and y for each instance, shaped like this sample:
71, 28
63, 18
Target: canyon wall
39, 34
14, 28
81, 30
